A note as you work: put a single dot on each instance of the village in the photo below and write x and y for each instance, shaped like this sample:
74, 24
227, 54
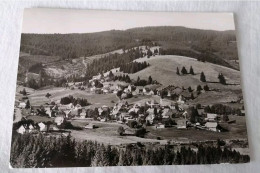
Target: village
150, 110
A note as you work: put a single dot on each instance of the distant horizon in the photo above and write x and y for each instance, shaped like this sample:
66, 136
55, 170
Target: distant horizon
72, 21
133, 28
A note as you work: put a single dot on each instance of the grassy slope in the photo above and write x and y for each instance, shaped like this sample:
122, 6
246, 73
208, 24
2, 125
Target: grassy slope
163, 69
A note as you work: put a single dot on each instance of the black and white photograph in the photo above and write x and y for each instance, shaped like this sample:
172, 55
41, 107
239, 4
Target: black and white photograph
102, 88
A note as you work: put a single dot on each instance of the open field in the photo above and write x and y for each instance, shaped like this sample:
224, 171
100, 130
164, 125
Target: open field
38, 119
107, 133
236, 131
37, 97
166, 65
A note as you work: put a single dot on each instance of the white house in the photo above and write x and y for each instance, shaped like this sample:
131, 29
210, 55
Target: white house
212, 126
70, 106
48, 111
22, 105
180, 100
30, 128
78, 106
150, 93
152, 103
160, 126
182, 124
59, 120
150, 111
211, 117
150, 118
184, 114
42, 126
21, 129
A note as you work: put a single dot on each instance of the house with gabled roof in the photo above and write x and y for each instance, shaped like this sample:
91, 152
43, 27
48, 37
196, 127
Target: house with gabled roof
42, 126
212, 126
211, 117
182, 123
21, 129
152, 103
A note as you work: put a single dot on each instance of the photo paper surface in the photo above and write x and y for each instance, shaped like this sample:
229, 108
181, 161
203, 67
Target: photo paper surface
118, 88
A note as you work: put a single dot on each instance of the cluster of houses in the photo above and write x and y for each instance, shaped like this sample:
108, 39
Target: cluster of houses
126, 89
159, 114
39, 127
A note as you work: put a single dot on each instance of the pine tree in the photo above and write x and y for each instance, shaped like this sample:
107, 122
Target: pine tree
206, 88
150, 80
202, 77
191, 70
184, 71
199, 88
28, 105
189, 89
178, 72
192, 96
23, 92
222, 79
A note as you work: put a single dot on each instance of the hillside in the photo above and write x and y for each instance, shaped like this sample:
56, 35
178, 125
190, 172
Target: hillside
70, 46
163, 69
166, 65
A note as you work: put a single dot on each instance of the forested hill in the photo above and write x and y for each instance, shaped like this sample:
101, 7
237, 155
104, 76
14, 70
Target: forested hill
69, 46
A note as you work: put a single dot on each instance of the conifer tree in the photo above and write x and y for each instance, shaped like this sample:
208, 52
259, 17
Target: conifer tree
192, 96
191, 70
202, 77
222, 79
206, 88
150, 80
184, 71
177, 71
28, 105
189, 89
199, 88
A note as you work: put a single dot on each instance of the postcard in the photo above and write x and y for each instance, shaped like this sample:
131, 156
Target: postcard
125, 88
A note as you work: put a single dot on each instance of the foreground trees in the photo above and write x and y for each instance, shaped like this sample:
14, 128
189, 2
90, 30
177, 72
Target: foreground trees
38, 151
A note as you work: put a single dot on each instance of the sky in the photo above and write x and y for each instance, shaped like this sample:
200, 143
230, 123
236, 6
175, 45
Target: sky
47, 20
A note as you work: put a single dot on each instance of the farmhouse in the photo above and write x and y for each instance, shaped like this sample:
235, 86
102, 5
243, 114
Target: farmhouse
48, 111
180, 100
69, 106
22, 105
212, 126
152, 103
21, 129
160, 126
78, 106
134, 109
149, 119
182, 124
211, 117
53, 127
42, 126
59, 120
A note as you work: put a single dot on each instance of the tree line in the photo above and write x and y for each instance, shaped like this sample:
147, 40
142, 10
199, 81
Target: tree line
38, 151
133, 67
74, 101
114, 61
222, 109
